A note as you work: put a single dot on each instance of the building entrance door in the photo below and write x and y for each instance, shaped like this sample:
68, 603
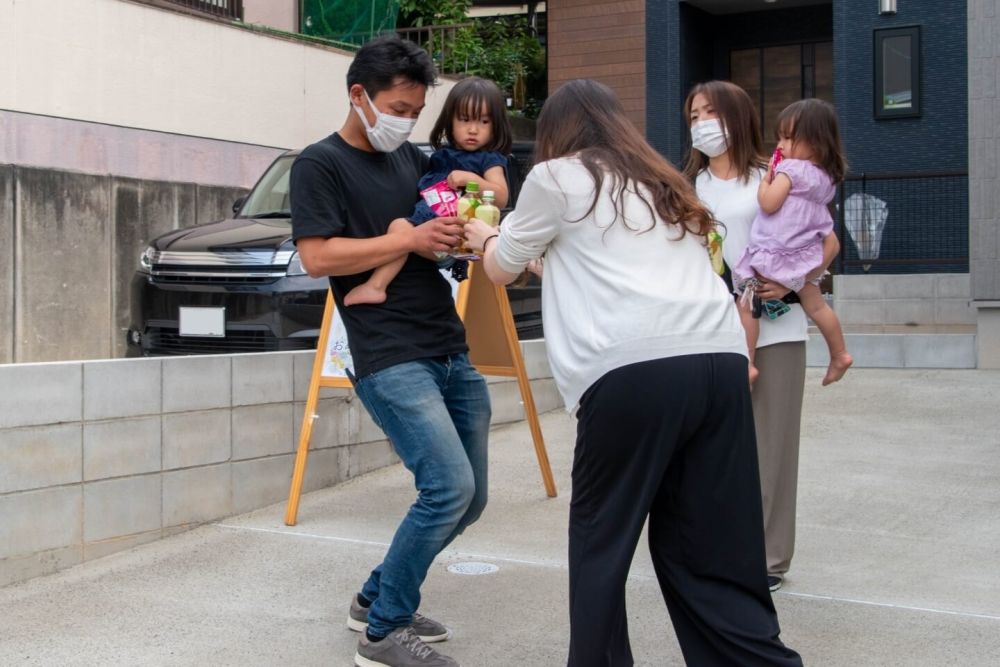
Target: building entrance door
776, 76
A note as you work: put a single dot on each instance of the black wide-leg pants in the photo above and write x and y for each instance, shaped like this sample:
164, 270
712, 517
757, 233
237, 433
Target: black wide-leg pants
672, 440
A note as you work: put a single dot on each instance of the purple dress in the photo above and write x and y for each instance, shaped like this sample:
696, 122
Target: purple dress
787, 244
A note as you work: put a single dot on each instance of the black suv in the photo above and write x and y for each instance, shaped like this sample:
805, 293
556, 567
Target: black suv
237, 285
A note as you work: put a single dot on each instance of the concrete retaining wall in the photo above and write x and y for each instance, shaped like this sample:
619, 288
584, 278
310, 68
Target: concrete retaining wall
100, 456
903, 321
921, 299
69, 245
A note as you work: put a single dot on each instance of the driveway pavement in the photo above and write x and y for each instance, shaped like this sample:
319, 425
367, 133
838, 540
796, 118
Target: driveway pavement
898, 558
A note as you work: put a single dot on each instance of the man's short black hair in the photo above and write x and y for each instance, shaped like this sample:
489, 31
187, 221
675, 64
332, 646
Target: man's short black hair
380, 62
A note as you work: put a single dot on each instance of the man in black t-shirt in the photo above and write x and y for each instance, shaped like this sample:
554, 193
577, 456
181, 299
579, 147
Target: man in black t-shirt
412, 370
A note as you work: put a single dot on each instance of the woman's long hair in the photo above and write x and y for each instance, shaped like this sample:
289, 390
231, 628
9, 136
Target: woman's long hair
585, 118
740, 122
814, 122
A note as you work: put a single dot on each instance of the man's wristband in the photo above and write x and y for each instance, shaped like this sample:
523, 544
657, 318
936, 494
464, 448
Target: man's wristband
487, 240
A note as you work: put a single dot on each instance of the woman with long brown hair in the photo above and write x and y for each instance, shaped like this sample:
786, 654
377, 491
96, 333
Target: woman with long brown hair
647, 350
727, 162
725, 132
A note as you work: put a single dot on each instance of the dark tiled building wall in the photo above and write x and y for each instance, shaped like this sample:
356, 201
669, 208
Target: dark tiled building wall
927, 218
935, 141
664, 118
680, 39
685, 45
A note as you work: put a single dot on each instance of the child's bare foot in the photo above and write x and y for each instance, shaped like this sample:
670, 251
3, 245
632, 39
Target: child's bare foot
839, 363
364, 293
754, 373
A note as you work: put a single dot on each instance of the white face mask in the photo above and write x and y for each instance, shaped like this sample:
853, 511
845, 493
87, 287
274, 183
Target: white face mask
389, 132
707, 137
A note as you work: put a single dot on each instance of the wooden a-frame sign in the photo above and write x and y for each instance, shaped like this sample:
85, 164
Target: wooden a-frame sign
493, 350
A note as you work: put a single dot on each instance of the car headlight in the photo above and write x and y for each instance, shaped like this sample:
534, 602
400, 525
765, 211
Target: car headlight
146, 260
295, 267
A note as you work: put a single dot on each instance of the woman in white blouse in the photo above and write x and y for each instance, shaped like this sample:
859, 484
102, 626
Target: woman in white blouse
726, 163
646, 347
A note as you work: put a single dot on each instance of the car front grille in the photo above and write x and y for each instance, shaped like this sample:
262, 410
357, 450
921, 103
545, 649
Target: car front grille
206, 279
223, 267
164, 340
227, 259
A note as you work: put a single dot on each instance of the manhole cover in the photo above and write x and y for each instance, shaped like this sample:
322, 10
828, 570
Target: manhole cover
472, 568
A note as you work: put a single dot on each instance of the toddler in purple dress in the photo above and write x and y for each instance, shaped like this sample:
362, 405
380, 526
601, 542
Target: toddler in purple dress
787, 236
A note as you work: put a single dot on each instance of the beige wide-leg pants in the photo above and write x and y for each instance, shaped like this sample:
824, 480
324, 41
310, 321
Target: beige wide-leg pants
777, 410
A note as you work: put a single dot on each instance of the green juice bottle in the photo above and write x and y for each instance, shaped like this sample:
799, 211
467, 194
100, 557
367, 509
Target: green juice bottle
469, 201
488, 211
468, 204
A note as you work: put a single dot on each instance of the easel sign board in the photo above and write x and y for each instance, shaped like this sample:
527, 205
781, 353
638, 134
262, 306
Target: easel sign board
493, 350
337, 358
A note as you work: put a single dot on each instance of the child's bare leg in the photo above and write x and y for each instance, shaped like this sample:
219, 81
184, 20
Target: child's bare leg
752, 329
826, 320
373, 290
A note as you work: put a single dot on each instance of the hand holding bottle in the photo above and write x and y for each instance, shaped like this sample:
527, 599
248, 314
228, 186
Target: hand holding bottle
476, 233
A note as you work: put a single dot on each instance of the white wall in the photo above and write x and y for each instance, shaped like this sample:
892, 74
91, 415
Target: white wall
132, 65
280, 14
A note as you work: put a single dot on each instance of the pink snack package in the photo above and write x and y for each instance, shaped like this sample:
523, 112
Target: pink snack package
442, 199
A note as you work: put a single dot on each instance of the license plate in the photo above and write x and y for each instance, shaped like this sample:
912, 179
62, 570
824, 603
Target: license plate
202, 322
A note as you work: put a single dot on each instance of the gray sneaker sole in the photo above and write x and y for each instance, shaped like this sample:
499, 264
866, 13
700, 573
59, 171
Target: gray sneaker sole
361, 661
361, 626
356, 625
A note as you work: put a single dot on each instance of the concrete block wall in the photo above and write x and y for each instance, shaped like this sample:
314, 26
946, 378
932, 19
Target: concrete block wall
911, 299
100, 456
78, 240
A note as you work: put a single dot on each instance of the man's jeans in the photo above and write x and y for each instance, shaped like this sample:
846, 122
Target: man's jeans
436, 413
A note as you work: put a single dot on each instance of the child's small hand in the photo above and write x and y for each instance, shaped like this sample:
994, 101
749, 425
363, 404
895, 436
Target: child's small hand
459, 179
537, 266
768, 289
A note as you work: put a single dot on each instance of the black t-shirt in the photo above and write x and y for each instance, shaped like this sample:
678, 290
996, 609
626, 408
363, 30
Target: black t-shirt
339, 190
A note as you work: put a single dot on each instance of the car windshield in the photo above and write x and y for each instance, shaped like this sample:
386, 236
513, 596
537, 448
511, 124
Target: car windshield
270, 198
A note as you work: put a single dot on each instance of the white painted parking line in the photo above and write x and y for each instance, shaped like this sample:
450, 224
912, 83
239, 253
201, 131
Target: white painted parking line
563, 566
385, 545
296, 533
831, 598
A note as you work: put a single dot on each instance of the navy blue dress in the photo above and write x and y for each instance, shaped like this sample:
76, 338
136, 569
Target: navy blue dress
446, 160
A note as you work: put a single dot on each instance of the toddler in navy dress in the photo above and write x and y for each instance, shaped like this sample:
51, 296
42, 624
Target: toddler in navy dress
474, 121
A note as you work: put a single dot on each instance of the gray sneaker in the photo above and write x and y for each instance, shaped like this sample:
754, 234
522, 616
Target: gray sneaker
427, 629
401, 648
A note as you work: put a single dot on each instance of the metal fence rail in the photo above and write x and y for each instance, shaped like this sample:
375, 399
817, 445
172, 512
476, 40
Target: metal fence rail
435, 39
914, 222
224, 9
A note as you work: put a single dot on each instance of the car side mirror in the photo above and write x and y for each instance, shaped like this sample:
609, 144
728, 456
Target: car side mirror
238, 204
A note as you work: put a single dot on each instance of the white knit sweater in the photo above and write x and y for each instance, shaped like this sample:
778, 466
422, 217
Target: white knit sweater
613, 296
